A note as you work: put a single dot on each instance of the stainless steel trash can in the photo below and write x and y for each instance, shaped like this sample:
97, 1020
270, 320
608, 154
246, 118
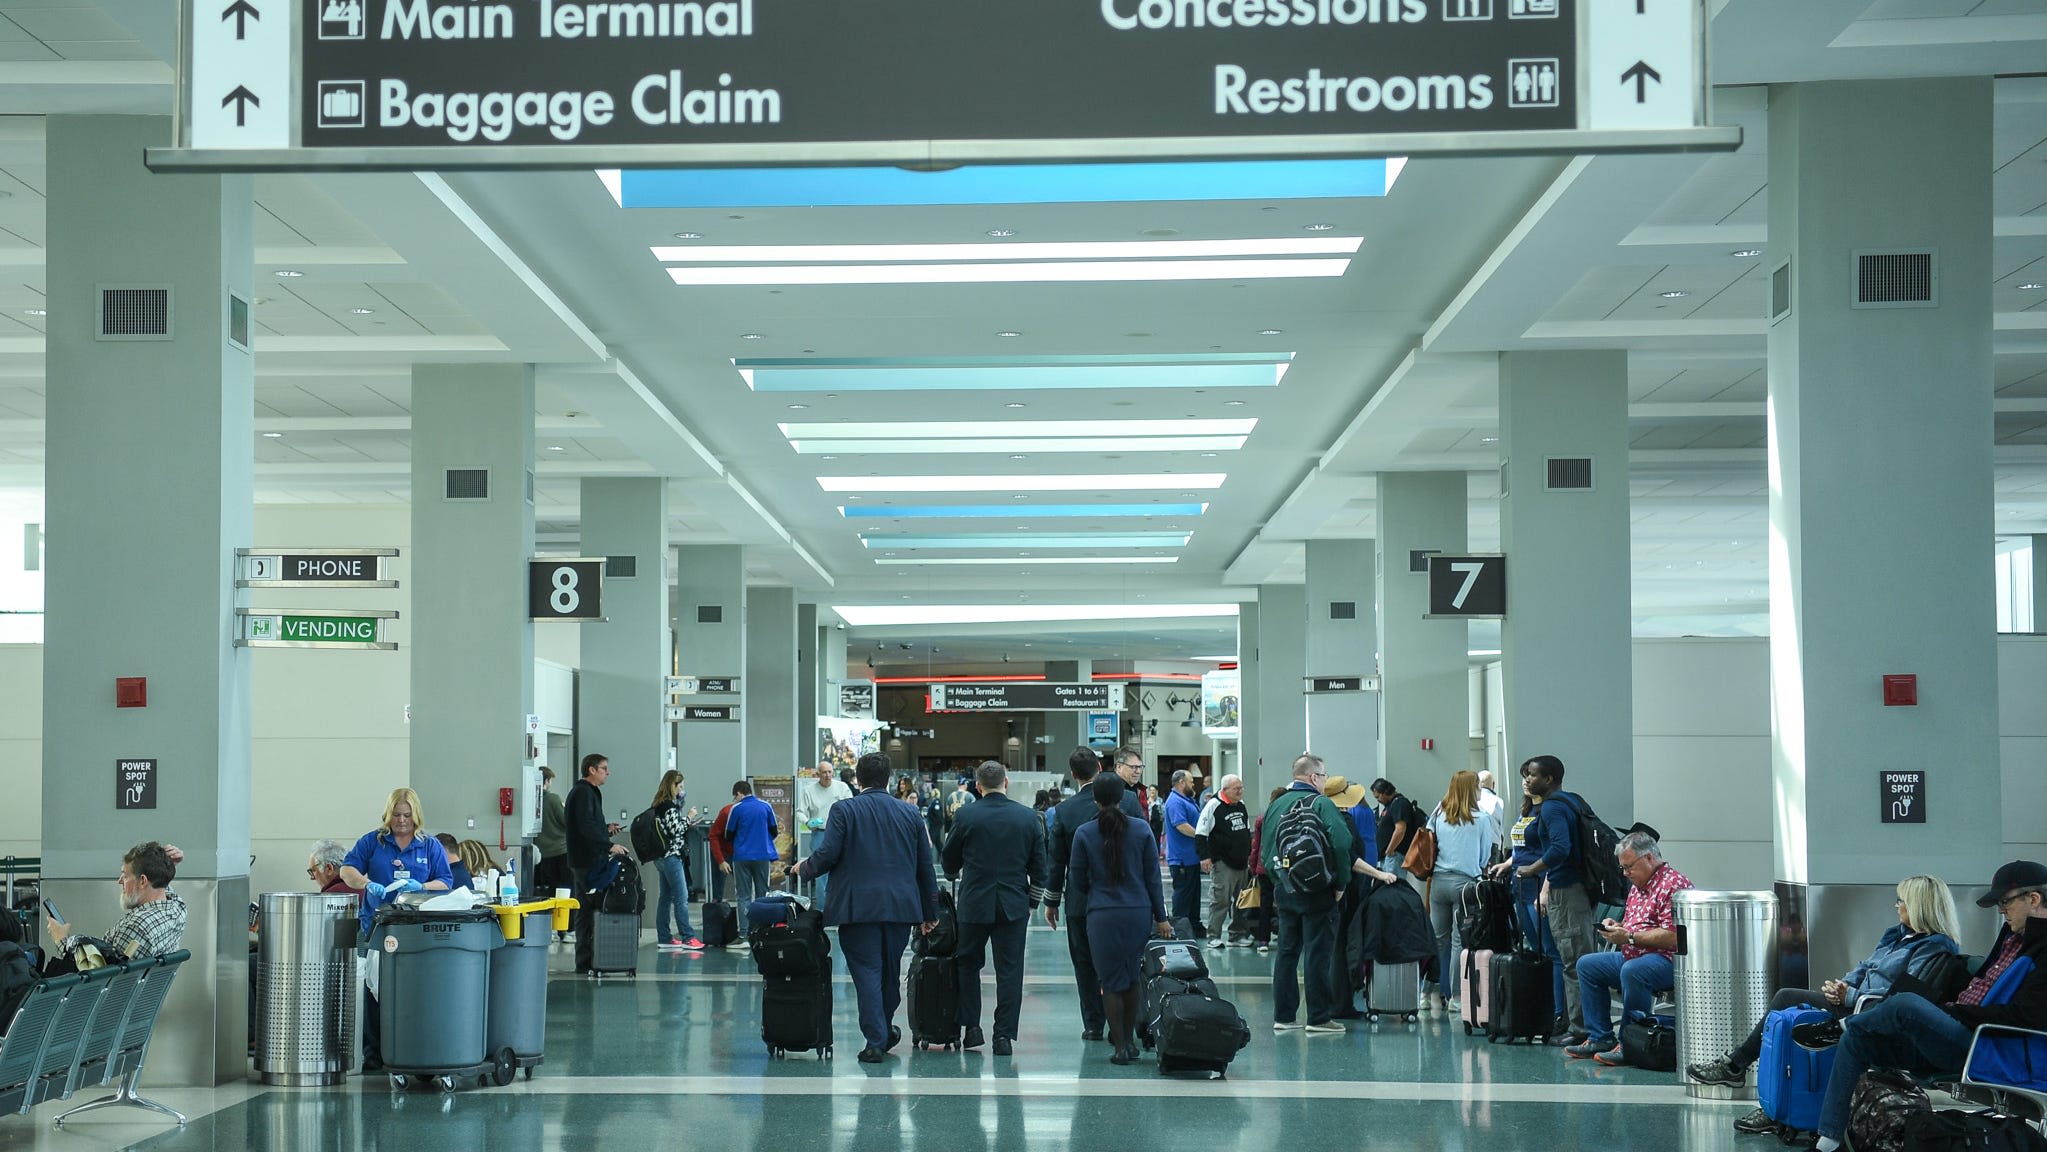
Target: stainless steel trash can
307, 988
1726, 973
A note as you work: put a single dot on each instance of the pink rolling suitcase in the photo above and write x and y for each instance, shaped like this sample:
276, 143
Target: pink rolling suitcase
1475, 970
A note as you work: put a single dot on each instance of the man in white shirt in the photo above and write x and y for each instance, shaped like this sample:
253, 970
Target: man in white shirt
814, 800
1489, 802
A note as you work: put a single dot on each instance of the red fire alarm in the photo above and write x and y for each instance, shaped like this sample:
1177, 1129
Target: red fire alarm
131, 692
1428, 744
1901, 691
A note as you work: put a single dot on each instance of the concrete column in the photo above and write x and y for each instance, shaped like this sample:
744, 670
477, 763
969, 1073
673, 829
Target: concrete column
1853, 392
710, 640
772, 747
811, 689
1068, 730
1568, 572
2040, 582
1275, 708
1421, 662
472, 639
619, 686
147, 485
1343, 640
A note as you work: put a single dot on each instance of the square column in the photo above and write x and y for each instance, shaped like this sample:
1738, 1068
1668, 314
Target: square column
1068, 730
710, 640
772, 744
148, 488
1343, 634
1272, 640
810, 680
619, 696
1568, 576
1422, 663
1870, 576
472, 636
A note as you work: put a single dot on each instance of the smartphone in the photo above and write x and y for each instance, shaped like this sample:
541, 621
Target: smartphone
50, 910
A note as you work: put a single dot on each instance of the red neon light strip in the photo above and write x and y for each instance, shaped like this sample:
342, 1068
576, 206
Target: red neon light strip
1147, 676
953, 679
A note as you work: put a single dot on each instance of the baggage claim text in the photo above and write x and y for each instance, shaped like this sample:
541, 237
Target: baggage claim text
663, 98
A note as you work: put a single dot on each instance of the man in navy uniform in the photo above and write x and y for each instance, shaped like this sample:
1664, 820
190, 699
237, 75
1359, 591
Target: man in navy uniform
875, 847
1068, 818
997, 850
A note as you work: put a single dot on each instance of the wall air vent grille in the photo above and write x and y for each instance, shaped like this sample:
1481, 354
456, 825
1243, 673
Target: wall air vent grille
1901, 279
135, 313
468, 484
621, 567
1567, 473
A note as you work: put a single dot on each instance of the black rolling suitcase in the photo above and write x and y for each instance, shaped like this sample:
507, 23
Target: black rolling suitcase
1198, 1032
931, 997
1521, 993
721, 925
796, 1013
1157, 990
789, 940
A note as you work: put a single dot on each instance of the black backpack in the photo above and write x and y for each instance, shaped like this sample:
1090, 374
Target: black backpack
1957, 1130
944, 938
18, 978
1599, 866
649, 842
1306, 861
1485, 916
626, 896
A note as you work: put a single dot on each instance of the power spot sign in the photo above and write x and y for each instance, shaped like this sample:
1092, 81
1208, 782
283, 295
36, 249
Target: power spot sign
1903, 796
134, 784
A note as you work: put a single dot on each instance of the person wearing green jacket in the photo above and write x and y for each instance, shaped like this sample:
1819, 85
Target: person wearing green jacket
1307, 920
552, 845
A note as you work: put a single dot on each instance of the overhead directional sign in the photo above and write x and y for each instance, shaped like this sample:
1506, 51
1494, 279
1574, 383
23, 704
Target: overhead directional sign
702, 685
567, 589
313, 628
312, 568
1315, 684
703, 712
1026, 696
568, 83
1468, 587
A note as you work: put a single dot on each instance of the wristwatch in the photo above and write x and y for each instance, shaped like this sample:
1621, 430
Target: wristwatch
1631, 939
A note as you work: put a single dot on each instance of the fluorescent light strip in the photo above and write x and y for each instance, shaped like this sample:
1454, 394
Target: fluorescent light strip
969, 429
1012, 377
985, 250
1011, 541
1016, 511
889, 615
1028, 561
1193, 481
1105, 272
1095, 444
1263, 180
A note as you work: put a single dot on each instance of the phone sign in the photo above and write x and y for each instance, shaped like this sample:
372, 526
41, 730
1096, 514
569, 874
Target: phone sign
134, 784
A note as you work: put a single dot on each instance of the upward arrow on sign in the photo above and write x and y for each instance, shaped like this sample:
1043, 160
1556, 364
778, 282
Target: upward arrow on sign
241, 98
1641, 74
242, 12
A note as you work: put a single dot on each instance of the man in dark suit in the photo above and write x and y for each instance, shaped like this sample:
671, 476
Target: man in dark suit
1067, 819
879, 857
997, 850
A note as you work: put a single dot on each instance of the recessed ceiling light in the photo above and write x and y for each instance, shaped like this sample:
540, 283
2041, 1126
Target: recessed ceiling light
2031, 287
828, 457
1674, 294
288, 273
554, 448
1488, 439
1233, 403
1746, 253
852, 497
1001, 233
1268, 331
272, 435
362, 311
1208, 455
689, 235
35, 312
1009, 334
1320, 228
1014, 404
752, 336
1019, 457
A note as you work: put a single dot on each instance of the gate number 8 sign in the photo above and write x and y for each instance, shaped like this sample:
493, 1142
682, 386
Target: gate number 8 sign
565, 589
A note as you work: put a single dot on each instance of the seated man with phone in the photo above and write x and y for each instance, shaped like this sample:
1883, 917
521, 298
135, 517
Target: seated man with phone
154, 920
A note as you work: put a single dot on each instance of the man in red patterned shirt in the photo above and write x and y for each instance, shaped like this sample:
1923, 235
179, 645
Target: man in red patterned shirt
1647, 936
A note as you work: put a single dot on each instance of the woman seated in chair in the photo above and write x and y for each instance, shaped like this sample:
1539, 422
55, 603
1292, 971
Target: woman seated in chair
1925, 931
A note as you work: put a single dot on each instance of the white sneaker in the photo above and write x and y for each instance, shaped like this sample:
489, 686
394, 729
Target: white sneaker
1218, 943
1325, 1029
1286, 1025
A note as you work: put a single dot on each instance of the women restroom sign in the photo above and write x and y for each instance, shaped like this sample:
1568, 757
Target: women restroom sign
1903, 797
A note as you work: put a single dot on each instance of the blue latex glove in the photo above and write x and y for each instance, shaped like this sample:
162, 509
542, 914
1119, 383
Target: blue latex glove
402, 887
375, 891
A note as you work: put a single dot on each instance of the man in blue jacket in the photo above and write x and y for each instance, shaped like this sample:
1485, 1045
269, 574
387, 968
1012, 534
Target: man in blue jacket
750, 834
1554, 834
878, 848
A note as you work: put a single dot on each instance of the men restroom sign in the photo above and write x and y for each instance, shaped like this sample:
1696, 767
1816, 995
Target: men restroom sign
134, 784
1902, 796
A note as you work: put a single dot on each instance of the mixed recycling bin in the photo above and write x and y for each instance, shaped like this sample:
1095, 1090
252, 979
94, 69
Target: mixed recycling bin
307, 988
1726, 974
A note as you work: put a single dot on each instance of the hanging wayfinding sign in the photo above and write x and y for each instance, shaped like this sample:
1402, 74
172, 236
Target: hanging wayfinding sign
1026, 696
313, 628
569, 588
312, 568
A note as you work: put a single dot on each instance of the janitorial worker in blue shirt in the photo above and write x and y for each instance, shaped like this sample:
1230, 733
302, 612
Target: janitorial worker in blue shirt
1183, 858
393, 858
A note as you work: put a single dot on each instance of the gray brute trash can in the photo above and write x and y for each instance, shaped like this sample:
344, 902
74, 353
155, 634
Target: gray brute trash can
433, 988
307, 988
1726, 973
518, 995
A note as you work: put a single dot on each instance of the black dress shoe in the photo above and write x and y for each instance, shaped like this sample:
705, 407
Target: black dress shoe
1124, 1056
1003, 1045
1091, 1034
895, 1037
974, 1038
871, 1055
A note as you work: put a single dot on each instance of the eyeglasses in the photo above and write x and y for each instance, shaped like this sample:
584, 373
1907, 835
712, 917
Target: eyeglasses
312, 873
2016, 896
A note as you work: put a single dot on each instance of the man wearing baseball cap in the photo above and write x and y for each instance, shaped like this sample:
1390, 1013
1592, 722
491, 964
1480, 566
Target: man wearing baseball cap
1912, 1032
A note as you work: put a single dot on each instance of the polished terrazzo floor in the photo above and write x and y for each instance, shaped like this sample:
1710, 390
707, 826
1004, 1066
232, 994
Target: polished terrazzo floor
672, 1058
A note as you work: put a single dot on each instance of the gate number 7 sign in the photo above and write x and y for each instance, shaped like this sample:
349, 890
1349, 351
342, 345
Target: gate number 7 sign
1467, 587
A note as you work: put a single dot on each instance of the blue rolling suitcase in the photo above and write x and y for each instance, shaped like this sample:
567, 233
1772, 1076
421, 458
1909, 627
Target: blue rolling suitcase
1791, 1081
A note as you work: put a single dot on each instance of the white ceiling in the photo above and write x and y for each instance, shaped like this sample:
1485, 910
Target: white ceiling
1392, 370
